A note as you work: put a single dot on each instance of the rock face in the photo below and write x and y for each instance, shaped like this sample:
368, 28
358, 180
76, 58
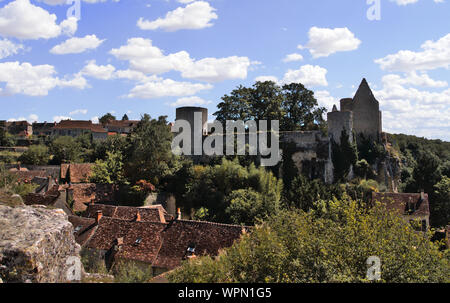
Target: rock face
37, 245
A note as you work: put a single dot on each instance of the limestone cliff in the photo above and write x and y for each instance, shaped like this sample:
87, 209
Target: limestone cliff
37, 245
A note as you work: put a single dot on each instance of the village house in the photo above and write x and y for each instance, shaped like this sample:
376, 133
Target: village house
413, 207
128, 237
17, 128
75, 172
121, 127
43, 129
75, 128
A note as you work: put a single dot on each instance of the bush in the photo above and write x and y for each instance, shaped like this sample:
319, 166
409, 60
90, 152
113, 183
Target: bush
35, 155
131, 272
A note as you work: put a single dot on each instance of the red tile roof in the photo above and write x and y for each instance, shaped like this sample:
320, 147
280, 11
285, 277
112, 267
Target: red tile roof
400, 202
80, 124
153, 214
85, 193
76, 173
164, 245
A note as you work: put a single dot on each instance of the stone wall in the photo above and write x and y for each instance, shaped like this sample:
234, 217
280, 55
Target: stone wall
37, 245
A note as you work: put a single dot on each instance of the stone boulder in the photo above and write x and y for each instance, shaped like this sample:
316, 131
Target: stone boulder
37, 245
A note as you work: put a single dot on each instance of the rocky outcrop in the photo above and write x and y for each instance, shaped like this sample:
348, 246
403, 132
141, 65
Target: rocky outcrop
37, 245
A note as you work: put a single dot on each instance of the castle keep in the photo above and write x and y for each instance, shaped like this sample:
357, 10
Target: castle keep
360, 115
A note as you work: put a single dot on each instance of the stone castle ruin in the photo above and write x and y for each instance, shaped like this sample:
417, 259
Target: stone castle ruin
311, 150
359, 115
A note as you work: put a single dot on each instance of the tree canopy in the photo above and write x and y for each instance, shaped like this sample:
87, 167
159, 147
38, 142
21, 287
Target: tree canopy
331, 244
292, 104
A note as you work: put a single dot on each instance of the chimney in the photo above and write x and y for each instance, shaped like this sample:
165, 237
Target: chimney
178, 214
138, 217
98, 216
422, 195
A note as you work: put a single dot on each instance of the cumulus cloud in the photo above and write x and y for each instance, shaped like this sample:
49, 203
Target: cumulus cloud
37, 80
308, 75
293, 57
102, 72
434, 54
326, 41
23, 20
77, 45
166, 88
411, 110
196, 15
190, 101
8, 48
149, 59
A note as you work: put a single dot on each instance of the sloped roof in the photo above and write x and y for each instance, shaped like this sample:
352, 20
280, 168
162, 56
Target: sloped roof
399, 202
84, 228
29, 175
78, 173
80, 124
163, 245
154, 214
207, 237
109, 230
85, 193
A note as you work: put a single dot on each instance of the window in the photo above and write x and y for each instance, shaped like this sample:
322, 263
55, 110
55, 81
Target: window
138, 241
77, 229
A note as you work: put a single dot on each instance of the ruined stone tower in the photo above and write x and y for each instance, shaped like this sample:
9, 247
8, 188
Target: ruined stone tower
360, 114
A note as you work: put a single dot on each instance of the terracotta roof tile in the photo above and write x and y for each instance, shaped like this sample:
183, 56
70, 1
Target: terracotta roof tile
154, 214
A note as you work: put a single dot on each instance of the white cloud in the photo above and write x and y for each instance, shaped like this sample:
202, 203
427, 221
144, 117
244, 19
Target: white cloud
60, 118
433, 55
8, 48
325, 99
103, 72
78, 112
77, 45
166, 88
196, 15
149, 59
31, 118
410, 110
293, 57
308, 75
23, 20
406, 2
190, 101
217, 69
37, 80
326, 41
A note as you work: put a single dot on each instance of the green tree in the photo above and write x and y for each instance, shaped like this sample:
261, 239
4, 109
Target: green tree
363, 169
35, 155
105, 119
6, 139
65, 149
293, 105
149, 155
215, 187
305, 193
441, 202
331, 244
125, 117
109, 171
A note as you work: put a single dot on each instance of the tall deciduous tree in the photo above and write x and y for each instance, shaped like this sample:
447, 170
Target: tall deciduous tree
292, 104
149, 155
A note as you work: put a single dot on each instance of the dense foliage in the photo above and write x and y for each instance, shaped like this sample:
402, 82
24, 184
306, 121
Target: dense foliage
330, 244
292, 104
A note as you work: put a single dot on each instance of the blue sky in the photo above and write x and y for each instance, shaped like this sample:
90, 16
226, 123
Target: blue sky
148, 56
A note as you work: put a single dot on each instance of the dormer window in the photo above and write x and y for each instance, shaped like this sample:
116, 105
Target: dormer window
138, 241
190, 251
